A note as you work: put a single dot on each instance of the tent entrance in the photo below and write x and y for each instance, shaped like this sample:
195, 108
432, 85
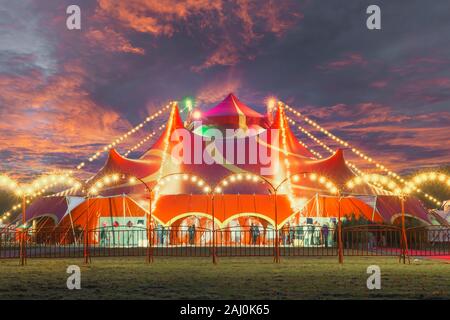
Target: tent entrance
122, 232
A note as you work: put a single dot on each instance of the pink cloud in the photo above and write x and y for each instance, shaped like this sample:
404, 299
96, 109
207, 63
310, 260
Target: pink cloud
379, 84
399, 141
53, 115
346, 61
216, 91
431, 90
419, 65
111, 40
232, 28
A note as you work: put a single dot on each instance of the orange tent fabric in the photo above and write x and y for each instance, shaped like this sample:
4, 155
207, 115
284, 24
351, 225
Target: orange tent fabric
350, 207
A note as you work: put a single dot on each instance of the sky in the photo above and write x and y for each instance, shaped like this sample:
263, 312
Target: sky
66, 93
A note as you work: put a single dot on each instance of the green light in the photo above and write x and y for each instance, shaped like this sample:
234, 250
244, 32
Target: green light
189, 103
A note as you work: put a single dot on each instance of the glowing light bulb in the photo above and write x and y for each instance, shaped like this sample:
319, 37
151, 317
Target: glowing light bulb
196, 115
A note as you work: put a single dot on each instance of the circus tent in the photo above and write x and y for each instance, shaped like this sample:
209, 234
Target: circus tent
178, 201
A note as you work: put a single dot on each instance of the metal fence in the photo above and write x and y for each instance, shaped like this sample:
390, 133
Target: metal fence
305, 240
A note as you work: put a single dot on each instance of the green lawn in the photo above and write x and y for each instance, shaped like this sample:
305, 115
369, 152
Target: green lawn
232, 278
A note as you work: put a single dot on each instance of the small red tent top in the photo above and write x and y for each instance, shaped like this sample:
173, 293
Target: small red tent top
119, 164
233, 114
171, 125
292, 142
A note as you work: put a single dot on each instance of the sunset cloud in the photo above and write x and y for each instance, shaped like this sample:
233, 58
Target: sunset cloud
397, 139
112, 41
345, 61
51, 116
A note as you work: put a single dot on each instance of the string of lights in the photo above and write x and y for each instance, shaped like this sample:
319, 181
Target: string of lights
30, 189
286, 153
34, 189
165, 150
356, 151
248, 177
125, 136
144, 140
323, 145
315, 153
331, 151
374, 179
111, 179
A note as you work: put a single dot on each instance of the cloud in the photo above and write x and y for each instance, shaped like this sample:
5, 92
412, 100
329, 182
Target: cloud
216, 90
231, 27
419, 65
157, 18
43, 115
113, 41
225, 55
395, 139
379, 84
347, 60
432, 90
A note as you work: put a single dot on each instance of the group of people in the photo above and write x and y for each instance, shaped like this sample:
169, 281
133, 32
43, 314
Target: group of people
309, 235
127, 234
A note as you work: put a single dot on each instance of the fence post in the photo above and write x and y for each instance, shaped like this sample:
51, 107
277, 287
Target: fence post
214, 258
340, 248
23, 251
404, 241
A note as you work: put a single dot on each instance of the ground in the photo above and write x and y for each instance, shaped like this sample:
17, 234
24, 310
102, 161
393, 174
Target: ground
231, 278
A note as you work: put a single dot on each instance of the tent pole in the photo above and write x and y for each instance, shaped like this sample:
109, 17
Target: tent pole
374, 207
404, 238
213, 230
86, 233
149, 228
23, 250
71, 224
340, 249
277, 248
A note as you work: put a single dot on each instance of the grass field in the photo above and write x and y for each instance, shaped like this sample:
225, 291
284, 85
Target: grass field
232, 278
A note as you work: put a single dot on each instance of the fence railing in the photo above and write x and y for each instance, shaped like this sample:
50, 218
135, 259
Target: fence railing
305, 240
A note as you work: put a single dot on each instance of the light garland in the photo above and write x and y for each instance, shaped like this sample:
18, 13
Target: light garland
109, 180
329, 185
324, 146
410, 186
125, 136
146, 139
315, 153
356, 151
286, 153
193, 179
36, 188
374, 179
331, 151
345, 144
165, 150
249, 177
429, 177
236, 178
